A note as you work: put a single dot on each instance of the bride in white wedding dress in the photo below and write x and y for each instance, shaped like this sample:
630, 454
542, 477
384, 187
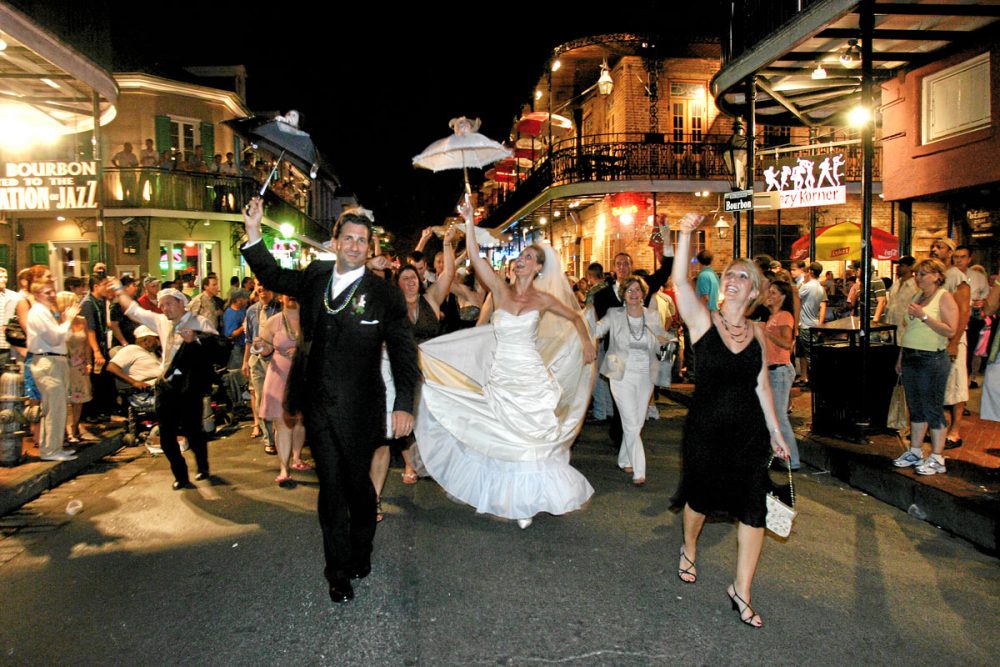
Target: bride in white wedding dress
501, 405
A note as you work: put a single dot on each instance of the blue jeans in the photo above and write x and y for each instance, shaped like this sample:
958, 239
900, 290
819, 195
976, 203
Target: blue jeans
925, 375
603, 407
781, 388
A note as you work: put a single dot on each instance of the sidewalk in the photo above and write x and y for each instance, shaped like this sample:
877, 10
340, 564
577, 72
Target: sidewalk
965, 501
27, 481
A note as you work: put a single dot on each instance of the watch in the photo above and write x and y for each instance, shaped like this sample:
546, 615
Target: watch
924, 318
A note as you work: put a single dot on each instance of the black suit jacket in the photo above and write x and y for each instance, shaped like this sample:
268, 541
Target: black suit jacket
343, 372
607, 298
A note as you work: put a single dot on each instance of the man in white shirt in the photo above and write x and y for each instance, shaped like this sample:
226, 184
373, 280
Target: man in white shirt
8, 306
179, 391
137, 364
956, 391
50, 369
901, 295
148, 157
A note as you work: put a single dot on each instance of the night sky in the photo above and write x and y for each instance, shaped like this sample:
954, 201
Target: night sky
377, 87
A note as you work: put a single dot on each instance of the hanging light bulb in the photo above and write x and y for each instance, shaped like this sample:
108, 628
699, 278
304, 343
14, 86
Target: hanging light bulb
851, 53
819, 72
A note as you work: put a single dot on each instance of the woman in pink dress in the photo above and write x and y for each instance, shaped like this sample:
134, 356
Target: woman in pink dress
279, 337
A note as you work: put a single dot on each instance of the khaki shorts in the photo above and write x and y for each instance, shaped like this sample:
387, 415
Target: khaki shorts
956, 390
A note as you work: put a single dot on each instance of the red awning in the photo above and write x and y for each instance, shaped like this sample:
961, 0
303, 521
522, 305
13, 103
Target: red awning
536, 124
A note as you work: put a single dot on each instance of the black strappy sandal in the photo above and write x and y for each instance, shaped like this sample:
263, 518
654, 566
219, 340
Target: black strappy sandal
681, 571
746, 620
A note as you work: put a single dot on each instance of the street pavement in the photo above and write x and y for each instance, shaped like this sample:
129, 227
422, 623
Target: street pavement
231, 574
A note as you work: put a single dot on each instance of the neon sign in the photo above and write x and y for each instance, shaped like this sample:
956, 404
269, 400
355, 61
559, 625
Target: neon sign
799, 185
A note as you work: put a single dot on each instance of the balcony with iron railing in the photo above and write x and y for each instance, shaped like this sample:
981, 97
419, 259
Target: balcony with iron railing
639, 157
159, 189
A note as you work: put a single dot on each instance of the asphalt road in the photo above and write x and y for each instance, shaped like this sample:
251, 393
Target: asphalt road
230, 574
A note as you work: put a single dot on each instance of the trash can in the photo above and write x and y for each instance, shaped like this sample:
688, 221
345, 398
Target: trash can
843, 403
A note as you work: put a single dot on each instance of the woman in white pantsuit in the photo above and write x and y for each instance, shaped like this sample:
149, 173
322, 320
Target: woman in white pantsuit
631, 365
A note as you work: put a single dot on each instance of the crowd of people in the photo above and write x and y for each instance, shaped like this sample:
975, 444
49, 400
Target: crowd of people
482, 379
256, 166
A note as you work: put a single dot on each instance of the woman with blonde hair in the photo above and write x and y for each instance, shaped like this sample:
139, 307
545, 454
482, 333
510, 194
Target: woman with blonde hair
81, 362
728, 436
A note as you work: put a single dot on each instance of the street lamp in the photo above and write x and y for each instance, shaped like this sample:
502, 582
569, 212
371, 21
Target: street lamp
721, 227
735, 155
605, 84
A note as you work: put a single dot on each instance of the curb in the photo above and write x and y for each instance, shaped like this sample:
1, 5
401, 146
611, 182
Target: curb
49, 475
975, 517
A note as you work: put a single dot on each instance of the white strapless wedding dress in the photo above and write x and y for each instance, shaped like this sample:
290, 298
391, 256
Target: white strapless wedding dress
496, 432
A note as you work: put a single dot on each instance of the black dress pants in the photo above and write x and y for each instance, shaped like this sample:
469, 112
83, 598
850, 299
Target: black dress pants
181, 412
346, 495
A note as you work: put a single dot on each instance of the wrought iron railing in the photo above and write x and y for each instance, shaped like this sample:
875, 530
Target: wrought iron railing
637, 156
186, 191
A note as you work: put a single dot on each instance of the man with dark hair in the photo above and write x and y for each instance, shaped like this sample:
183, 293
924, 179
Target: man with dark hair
417, 260
76, 285
812, 312
204, 304
707, 284
347, 315
94, 310
123, 328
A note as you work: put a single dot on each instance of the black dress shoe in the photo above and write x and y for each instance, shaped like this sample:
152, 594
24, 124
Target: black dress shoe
341, 590
361, 571
952, 444
182, 485
202, 475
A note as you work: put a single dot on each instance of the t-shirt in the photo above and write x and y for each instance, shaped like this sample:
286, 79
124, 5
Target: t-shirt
126, 324
953, 278
708, 284
125, 160
92, 310
137, 363
775, 353
231, 321
811, 295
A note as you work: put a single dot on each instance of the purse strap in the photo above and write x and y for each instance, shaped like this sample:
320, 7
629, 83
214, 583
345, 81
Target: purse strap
791, 486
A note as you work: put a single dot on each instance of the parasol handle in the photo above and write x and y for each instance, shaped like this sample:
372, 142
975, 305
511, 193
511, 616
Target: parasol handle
468, 188
274, 171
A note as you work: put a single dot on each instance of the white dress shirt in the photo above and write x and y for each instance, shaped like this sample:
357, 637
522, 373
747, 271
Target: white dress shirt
342, 281
8, 306
45, 335
167, 331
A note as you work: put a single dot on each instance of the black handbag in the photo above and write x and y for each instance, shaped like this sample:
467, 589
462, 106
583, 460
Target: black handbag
15, 334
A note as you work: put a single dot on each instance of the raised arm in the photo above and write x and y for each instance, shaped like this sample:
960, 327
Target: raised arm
482, 268
425, 236
267, 271
691, 309
438, 292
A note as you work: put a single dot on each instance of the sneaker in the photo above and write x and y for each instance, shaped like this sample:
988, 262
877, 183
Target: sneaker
931, 467
909, 458
63, 455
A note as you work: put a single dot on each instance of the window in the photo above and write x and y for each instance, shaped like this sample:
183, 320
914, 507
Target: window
774, 136
956, 100
182, 133
182, 256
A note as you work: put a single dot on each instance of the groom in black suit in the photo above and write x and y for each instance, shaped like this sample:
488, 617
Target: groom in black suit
347, 313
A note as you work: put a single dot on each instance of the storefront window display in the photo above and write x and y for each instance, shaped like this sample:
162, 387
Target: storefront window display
199, 257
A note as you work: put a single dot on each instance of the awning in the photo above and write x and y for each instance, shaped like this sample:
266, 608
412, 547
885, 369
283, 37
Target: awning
47, 87
785, 60
843, 242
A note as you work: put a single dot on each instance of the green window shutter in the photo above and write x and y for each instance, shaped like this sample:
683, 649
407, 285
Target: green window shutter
94, 257
163, 134
208, 141
39, 253
5, 257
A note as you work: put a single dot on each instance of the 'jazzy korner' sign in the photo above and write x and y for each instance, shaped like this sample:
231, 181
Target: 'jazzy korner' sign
40, 186
815, 180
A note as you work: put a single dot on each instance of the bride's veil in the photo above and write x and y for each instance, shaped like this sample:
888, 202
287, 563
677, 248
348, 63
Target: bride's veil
559, 343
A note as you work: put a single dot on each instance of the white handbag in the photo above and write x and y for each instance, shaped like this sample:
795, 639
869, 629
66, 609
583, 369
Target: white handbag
779, 515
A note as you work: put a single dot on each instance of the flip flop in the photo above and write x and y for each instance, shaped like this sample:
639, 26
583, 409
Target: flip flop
302, 465
409, 478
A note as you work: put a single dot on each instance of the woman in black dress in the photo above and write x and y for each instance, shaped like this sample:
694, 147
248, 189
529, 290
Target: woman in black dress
728, 436
424, 310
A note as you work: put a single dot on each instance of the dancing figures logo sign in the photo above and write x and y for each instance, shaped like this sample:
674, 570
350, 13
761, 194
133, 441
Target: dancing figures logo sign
50, 185
816, 180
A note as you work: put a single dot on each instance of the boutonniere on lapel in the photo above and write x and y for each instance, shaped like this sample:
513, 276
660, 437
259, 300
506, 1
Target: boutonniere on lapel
358, 305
